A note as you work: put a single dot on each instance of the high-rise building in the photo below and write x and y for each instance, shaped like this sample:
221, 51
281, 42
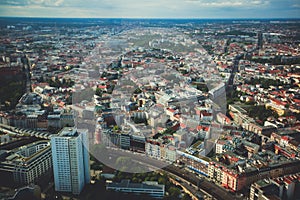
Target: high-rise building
260, 40
70, 160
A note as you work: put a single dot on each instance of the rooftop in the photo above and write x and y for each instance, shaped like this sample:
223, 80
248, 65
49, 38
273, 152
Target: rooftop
263, 183
145, 185
68, 132
25, 153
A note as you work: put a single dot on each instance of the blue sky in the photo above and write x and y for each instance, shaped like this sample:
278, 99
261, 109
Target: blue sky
152, 8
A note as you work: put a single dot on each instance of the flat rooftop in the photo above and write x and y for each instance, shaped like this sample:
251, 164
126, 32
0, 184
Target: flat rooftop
145, 185
68, 132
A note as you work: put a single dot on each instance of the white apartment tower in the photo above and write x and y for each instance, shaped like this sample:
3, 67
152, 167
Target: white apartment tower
70, 157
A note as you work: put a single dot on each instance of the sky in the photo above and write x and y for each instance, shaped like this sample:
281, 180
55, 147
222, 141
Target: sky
151, 8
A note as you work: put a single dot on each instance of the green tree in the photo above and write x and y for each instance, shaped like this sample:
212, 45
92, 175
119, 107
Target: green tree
162, 180
174, 192
137, 91
261, 113
116, 128
186, 197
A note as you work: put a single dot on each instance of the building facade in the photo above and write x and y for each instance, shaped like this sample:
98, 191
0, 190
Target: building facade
28, 163
165, 152
151, 188
70, 160
236, 180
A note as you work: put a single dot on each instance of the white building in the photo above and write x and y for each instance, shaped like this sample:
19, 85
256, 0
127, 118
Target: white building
219, 146
26, 164
166, 152
153, 150
70, 160
217, 91
151, 188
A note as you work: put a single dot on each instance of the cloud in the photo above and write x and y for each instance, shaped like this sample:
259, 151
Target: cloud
14, 2
44, 3
151, 8
58, 2
228, 3
296, 6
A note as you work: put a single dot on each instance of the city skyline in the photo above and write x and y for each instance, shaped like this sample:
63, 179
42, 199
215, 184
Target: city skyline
178, 109
151, 9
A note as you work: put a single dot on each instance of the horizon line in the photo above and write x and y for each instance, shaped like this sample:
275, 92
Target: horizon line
165, 18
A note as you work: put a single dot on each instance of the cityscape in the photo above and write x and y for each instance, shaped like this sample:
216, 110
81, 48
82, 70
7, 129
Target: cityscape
153, 107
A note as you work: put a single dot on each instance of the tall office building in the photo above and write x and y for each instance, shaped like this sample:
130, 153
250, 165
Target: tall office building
260, 40
70, 160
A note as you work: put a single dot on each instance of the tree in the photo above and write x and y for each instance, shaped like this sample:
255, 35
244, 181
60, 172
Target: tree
98, 92
136, 180
186, 197
137, 91
153, 178
162, 180
116, 128
174, 192
96, 166
261, 113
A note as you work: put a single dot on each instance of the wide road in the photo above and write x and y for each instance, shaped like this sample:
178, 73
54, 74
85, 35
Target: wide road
236, 65
235, 69
210, 188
